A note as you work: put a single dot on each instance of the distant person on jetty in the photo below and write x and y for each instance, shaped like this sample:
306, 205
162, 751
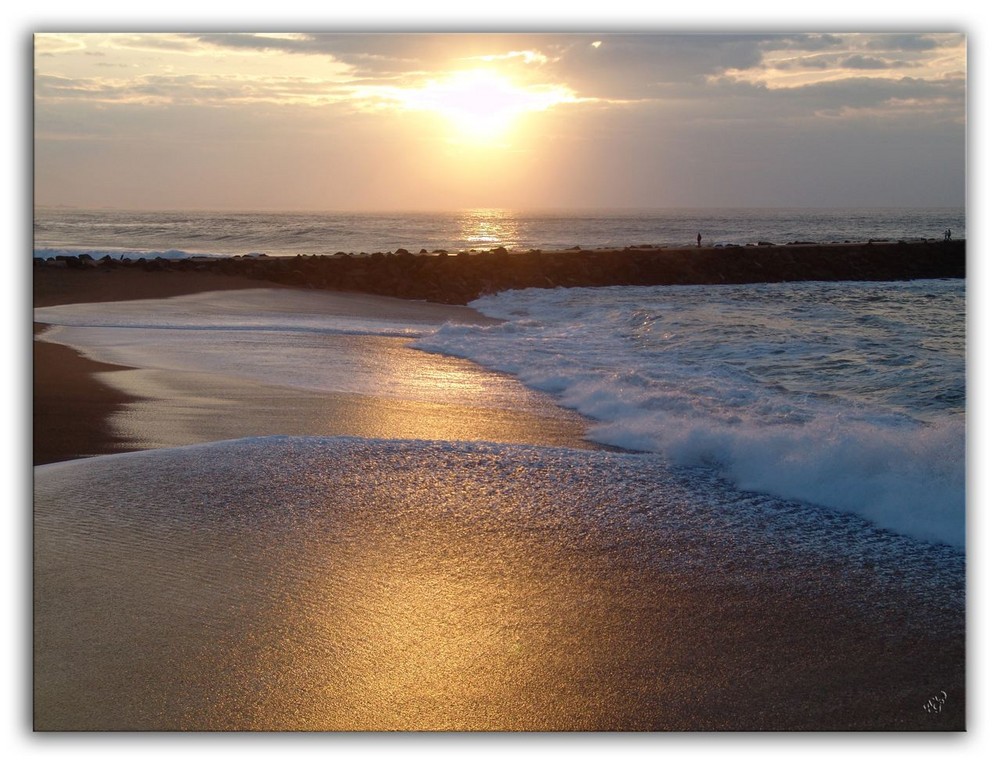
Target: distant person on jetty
947, 234
699, 239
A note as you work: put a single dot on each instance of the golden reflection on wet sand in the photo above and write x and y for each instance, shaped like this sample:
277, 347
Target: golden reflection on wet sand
436, 398
419, 590
408, 629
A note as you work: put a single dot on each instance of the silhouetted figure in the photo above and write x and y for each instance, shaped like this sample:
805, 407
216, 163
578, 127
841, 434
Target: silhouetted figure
947, 234
699, 239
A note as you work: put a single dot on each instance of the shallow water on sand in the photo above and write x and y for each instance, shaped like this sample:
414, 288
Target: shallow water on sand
223, 365
318, 584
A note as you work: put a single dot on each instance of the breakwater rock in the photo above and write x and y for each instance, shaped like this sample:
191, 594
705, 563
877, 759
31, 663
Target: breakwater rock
457, 279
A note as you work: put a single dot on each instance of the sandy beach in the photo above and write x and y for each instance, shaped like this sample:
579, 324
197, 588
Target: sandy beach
293, 583
72, 406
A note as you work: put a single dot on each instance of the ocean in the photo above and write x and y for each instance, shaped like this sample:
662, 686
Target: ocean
61, 231
799, 447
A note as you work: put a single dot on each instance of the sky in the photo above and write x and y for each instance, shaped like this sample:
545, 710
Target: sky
307, 120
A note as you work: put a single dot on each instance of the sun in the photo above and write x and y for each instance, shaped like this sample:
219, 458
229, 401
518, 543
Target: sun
482, 105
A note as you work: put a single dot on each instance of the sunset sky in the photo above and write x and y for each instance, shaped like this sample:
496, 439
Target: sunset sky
413, 121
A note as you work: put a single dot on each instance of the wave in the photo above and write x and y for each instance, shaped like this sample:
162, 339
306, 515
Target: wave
909, 480
903, 470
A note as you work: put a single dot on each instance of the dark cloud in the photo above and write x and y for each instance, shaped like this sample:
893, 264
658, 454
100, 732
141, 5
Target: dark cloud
902, 42
747, 103
51, 85
858, 61
383, 54
623, 63
154, 42
805, 63
624, 66
643, 66
870, 92
805, 42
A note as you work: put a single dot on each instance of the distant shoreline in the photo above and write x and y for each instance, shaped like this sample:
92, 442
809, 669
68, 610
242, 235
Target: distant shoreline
459, 278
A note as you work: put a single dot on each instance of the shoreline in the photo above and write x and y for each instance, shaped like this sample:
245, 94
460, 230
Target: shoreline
75, 405
86, 408
72, 405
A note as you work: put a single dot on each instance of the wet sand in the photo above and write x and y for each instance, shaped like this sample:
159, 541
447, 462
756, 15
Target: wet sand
57, 286
289, 584
84, 408
72, 405
182, 408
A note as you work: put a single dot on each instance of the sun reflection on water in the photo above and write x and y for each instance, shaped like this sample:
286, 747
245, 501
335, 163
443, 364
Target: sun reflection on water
489, 228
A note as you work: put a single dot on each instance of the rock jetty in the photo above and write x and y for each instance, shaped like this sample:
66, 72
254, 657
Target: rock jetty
459, 278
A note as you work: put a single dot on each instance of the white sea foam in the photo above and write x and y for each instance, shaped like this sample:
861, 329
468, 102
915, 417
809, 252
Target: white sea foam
848, 396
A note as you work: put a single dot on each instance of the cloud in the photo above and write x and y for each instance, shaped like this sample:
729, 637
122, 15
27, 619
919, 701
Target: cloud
150, 42
871, 62
941, 101
388, 54
623, 68
623, 65
804, 42
648, 119
904, 42
209, 90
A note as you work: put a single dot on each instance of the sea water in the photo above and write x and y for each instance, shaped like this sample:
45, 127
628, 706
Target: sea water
63, 231
848, 397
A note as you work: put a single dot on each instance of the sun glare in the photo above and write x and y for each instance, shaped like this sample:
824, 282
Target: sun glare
481, 104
